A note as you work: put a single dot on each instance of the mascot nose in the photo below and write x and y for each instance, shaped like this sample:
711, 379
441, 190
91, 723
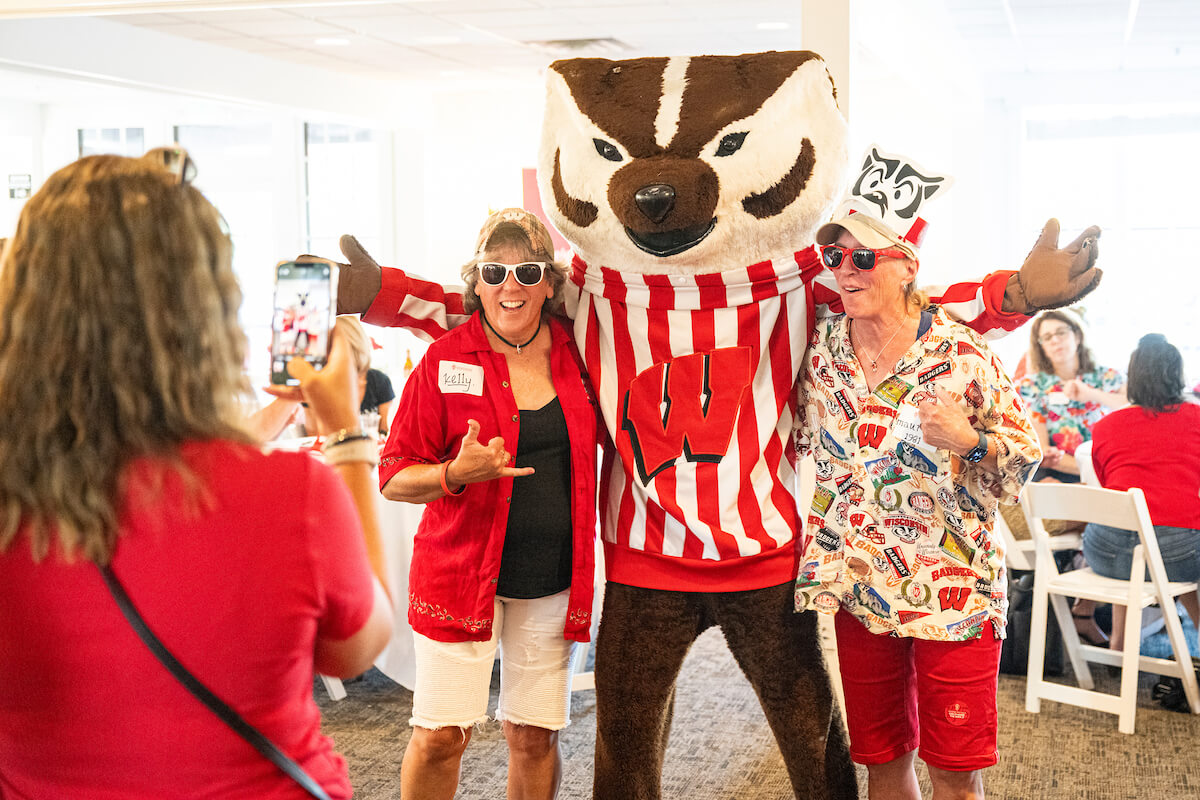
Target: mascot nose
655, 201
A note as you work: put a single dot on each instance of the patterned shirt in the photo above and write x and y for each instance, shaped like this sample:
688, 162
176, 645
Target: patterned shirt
900, 534
1068, 422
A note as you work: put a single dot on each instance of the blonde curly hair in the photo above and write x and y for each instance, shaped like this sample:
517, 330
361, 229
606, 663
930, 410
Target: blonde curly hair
119, 339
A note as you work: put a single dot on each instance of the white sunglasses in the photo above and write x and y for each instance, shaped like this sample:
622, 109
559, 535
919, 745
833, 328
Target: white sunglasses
529, 273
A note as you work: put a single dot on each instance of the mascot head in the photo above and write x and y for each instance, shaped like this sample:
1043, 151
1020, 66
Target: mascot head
691, 165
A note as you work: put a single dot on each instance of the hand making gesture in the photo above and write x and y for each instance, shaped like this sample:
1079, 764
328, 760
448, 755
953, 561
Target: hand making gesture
477, 462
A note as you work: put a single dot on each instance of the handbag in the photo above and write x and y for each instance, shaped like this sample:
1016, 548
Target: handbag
227, 715
1014, 654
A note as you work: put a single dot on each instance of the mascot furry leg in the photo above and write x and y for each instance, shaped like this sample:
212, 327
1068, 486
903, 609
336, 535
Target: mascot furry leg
777, 649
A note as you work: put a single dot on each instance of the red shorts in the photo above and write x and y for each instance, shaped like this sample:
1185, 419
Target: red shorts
903, 694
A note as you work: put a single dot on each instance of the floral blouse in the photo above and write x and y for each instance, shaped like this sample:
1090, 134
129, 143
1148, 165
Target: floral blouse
1068, 422
899, 533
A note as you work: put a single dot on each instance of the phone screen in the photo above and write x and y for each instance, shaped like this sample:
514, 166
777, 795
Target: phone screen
305, 308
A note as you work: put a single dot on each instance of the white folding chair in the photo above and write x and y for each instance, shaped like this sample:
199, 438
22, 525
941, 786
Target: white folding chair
334, 686
1019, 553
1125, 510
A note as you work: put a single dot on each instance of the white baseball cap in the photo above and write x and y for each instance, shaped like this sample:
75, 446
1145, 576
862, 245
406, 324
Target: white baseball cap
871, 232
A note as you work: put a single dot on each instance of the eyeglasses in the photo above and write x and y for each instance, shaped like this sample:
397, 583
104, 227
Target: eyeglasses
529, 273
1061, 333
176, 161
832, 255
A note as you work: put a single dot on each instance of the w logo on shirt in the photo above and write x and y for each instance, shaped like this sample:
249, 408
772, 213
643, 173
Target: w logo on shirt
674, 409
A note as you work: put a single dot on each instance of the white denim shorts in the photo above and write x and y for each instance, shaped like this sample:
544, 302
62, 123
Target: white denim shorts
454, 678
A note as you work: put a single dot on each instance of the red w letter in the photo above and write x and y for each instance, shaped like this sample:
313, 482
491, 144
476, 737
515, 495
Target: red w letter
687, 407
953, 597
870, 435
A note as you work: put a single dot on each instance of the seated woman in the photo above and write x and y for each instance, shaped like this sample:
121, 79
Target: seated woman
1128, 449
120, 356
496, 432
1065, 390
1067, 393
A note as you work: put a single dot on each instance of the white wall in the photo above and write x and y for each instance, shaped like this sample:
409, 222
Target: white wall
20, 153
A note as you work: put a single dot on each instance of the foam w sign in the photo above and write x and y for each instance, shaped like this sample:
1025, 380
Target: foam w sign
675, 409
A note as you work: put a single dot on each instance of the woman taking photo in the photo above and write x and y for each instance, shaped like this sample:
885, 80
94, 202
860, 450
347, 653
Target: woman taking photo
496, 433
917, 433
1128, 449
120, 368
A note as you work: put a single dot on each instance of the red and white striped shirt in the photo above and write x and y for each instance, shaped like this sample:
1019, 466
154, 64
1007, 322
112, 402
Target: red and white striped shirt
694, 374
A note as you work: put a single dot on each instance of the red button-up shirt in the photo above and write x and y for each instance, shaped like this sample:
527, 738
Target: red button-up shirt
457, 548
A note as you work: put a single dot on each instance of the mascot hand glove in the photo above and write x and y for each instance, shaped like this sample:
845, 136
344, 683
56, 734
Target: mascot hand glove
1053, 277
359, 281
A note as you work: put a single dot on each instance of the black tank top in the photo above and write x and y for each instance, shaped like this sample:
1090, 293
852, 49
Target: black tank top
536, 561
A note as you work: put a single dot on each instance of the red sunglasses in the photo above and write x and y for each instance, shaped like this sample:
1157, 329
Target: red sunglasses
833, 255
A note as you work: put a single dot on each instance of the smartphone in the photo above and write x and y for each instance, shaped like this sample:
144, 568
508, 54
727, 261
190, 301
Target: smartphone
305, 309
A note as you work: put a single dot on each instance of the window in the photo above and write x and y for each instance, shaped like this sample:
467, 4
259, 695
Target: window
112, 141
347, 184
1131, 176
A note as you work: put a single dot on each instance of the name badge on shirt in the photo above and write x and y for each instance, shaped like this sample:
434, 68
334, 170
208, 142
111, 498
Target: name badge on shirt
907, 428
455, 377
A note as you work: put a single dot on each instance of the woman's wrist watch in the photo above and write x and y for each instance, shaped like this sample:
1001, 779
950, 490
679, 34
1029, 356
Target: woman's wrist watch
976, 453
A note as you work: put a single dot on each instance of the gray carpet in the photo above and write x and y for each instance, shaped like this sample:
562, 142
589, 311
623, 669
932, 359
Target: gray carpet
721, 748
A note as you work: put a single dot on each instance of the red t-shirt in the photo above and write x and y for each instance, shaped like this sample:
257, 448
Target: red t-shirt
1158, 453
238, 591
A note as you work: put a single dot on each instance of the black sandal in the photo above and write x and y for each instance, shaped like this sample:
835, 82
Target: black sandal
1169, 694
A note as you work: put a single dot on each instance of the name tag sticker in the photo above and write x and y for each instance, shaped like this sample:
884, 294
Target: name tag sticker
454, 377
907, 428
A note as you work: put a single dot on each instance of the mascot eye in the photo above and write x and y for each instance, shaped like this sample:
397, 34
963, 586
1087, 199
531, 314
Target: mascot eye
607, 150
731, 143
906, 197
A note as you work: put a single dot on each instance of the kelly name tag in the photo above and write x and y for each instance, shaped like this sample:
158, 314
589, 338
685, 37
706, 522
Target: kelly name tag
455, 377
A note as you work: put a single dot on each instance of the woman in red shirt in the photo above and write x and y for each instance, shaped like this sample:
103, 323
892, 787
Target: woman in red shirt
496, 433
120, 365
1130, 448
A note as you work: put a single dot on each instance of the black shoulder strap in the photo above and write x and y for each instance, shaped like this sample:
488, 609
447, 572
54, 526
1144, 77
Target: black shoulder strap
230, 717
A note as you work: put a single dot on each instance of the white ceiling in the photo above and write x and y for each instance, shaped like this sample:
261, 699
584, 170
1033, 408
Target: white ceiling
435, 39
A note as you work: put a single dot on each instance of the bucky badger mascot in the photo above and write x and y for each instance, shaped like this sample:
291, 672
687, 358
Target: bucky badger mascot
690, 190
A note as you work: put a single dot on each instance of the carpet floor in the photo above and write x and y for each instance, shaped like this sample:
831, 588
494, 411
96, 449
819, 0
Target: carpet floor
721, 747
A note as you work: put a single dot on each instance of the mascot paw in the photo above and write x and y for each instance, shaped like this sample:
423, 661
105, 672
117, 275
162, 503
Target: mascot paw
1052, 277
359, 281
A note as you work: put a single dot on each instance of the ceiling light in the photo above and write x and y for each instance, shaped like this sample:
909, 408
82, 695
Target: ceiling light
773, 26
575, 48
331, 41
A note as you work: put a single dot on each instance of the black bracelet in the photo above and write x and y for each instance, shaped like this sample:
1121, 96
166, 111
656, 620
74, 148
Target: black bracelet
343, 436
358, 437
